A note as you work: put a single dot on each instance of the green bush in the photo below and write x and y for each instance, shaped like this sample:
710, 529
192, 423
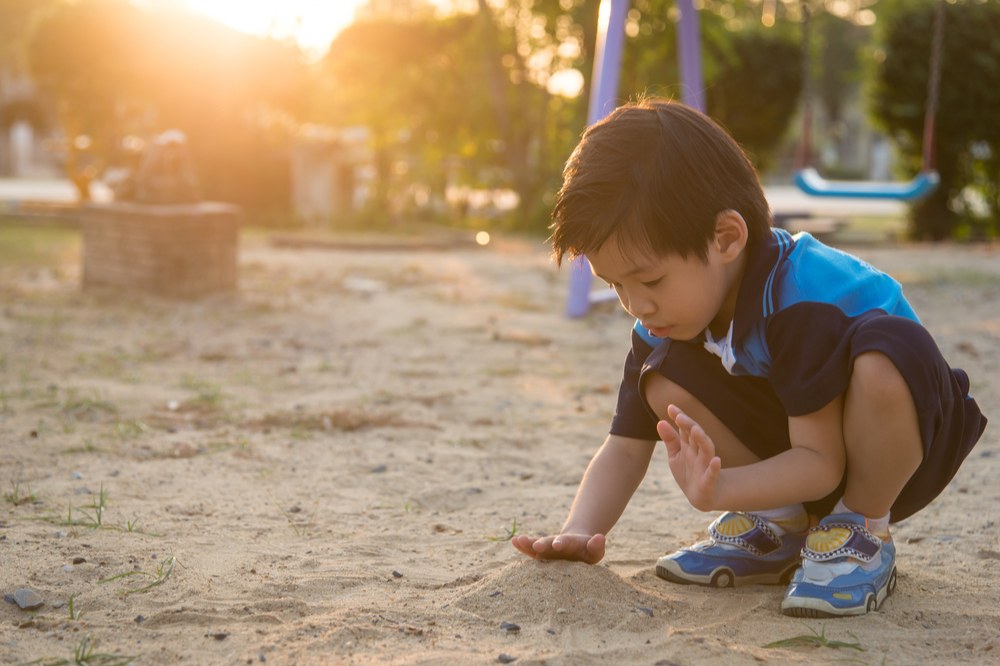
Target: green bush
967, 134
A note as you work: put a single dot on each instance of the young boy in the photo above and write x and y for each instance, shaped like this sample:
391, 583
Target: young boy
786, 378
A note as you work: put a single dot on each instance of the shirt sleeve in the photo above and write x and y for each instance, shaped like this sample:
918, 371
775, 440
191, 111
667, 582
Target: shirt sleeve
810, 347
632, 419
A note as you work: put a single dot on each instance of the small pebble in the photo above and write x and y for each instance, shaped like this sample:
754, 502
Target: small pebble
61, 535
68, 568
27, 599
139, 619
59, 604
380, 469
396, 574
77, 476
493, 594
262, 657
79, 560
560, 611
510, 627
647, 611
506, 658
220, 635
8, 598
551, 632
83, 491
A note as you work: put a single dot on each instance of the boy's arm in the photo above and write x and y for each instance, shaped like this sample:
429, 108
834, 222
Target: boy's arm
607, 486
810, 470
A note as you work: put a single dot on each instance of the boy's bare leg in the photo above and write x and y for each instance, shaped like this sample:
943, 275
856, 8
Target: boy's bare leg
881, 434
661, 393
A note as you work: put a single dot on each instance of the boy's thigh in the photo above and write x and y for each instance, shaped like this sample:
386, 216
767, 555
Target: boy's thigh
747, 406
949, 420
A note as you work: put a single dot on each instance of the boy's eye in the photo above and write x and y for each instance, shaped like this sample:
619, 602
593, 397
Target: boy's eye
652, 283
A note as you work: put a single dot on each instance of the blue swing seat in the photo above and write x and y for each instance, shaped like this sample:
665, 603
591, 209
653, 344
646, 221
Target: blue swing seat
810, 182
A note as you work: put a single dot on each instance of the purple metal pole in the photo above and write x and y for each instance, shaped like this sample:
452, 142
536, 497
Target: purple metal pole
603, 98
689, 55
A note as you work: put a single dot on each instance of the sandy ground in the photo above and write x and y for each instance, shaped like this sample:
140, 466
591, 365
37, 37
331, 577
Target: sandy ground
335, 457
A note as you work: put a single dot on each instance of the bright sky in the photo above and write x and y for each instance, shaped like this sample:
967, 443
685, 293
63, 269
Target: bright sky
313, 23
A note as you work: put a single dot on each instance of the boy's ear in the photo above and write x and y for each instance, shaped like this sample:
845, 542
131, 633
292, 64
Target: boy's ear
730, 235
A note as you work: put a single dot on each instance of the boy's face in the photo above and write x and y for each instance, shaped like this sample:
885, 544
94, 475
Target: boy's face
672, 297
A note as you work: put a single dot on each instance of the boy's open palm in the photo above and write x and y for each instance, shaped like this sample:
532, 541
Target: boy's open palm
575, 547
692, 459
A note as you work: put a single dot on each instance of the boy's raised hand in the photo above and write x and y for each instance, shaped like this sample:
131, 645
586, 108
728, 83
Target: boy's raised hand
692, 459
575, 547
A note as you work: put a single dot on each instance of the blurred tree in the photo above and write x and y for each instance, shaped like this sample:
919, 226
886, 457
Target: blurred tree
471, 98
116, 69
753, 74
967, 134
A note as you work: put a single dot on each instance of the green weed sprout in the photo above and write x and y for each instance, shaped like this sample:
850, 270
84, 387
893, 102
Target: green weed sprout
292, 522
16, 498
84, 655
511, 533
817, 640
74, 615
161, 575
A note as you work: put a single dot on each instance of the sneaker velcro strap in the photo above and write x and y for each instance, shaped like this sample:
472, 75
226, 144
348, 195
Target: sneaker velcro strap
752, 533
832, 540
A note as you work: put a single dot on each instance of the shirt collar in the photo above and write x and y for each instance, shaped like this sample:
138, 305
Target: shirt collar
757, 298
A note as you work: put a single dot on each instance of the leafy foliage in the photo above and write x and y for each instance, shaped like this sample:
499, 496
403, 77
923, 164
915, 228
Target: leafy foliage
967, 135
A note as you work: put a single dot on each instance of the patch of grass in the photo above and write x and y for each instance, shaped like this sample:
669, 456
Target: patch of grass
32, 246
80, 409
816, 639
75, 614
87, 447
209, 394
84, 655
291, 522
130, 526
95, 520
163, 572
16, 497
511, 533
130, 429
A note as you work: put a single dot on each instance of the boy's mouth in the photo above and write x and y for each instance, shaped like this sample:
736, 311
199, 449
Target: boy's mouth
661, 332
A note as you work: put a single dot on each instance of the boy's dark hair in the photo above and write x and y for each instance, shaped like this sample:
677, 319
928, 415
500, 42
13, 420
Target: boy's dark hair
657, 174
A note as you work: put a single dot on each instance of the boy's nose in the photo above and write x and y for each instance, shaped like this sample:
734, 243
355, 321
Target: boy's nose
638, 306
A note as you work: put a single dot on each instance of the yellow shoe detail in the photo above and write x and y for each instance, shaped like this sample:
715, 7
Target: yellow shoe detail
735, 525
825, 541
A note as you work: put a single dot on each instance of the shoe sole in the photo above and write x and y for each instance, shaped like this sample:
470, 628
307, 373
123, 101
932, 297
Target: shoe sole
818, 608
668, 569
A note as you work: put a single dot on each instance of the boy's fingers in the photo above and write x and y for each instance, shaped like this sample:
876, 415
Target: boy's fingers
595, 549
670, 438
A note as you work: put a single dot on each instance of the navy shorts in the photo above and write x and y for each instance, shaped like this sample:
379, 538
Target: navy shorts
950, 421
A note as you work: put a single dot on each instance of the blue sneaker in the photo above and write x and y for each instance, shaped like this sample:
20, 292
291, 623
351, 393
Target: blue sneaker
846, 570
744, 549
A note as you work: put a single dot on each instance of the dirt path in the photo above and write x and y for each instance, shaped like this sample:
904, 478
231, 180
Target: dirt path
335, 457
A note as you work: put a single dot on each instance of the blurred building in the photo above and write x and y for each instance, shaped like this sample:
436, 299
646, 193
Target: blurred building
26, 130
329, 169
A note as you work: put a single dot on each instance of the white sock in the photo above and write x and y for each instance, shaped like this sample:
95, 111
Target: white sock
877, 526
792, 518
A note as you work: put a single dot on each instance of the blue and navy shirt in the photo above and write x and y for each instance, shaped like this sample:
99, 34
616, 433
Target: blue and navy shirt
799, 305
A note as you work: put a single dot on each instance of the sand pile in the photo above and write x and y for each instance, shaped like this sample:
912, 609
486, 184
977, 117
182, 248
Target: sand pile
548, 595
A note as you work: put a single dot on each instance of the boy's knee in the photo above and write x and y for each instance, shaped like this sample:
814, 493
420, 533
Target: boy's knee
877, 379
660, 393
